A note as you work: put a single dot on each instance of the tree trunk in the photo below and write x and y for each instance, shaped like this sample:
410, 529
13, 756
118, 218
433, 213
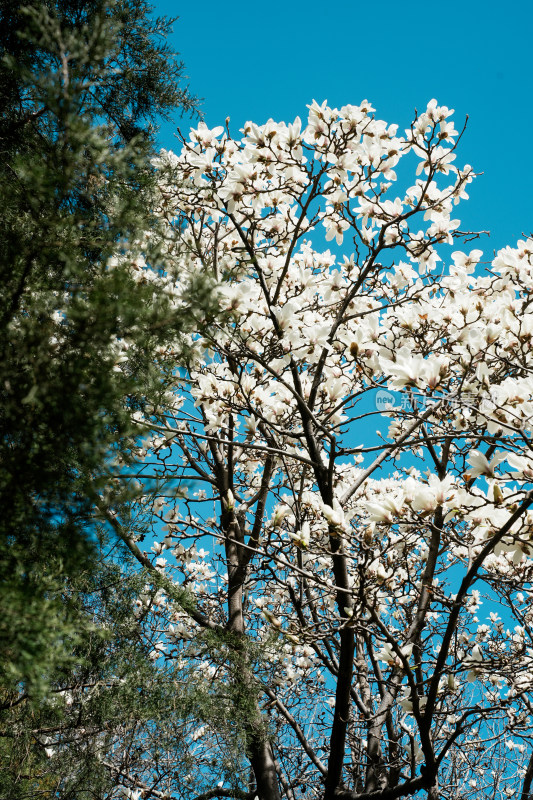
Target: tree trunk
264, 767
259, 749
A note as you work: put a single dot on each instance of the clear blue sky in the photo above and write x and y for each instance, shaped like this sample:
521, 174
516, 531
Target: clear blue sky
255, 60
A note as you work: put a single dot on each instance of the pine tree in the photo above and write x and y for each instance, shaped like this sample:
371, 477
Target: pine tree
116, 716
81, 86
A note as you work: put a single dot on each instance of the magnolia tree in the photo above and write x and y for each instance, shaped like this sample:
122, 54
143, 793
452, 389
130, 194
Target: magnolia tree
362, 598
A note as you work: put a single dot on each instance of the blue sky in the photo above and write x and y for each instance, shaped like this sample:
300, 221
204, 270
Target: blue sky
258, 60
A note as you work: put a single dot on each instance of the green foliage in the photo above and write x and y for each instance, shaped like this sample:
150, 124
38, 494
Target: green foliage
80, 87
108, 695
117, 53
114, 712
84, 704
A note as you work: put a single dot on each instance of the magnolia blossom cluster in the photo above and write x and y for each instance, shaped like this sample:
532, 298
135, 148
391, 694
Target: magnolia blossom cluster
321, 529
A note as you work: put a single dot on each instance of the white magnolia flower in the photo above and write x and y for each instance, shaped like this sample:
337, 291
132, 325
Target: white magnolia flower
481, 466
436, 493
522, 464
414, 370
467, 262
386, 510
198, 733
476, 654
301, 537
335, 515
390, 657
279, 515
